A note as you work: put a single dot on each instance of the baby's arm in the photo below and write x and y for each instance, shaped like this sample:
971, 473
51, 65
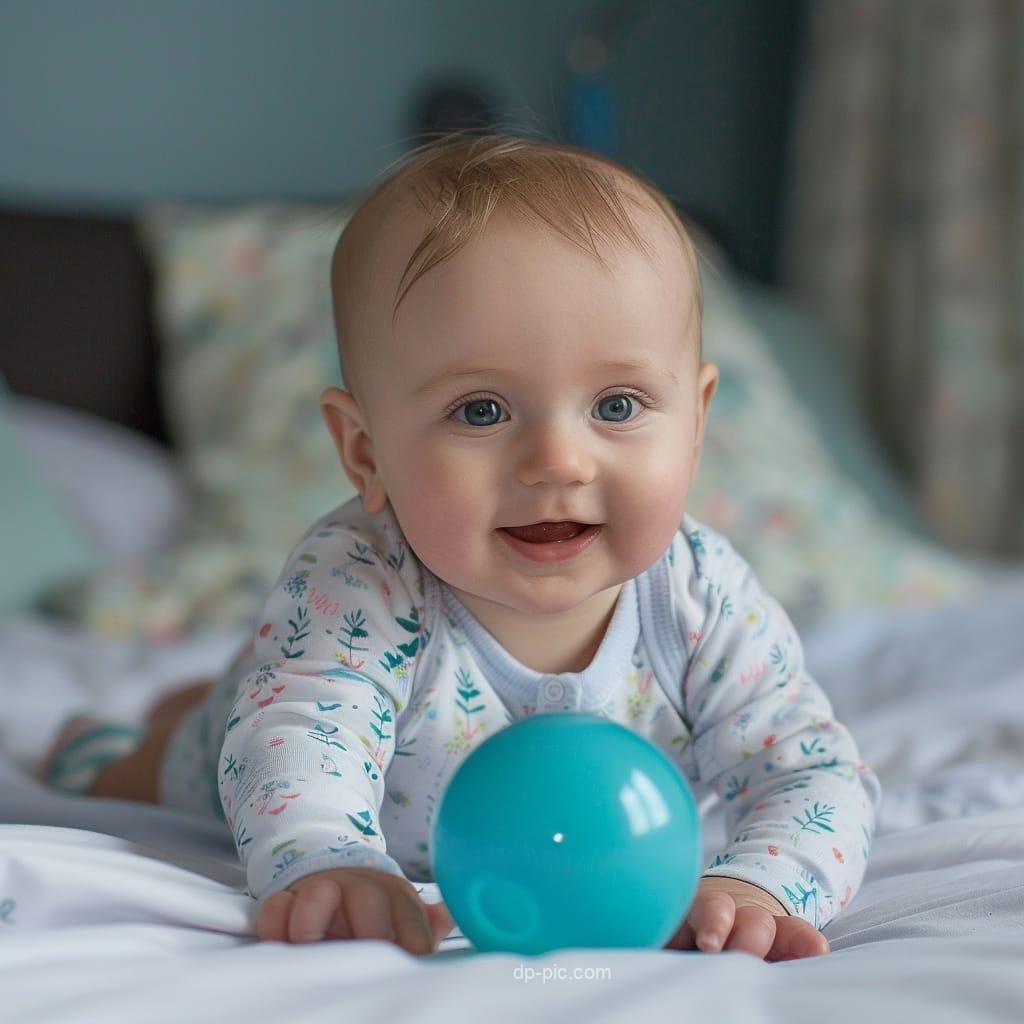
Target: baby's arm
312, 732
800, 803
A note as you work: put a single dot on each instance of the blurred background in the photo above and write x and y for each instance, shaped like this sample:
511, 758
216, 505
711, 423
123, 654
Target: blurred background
173, 176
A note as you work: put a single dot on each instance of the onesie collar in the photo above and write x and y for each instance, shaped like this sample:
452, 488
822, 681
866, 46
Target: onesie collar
517, 683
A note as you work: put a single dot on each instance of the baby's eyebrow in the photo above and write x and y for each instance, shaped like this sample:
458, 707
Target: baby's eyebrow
636, 365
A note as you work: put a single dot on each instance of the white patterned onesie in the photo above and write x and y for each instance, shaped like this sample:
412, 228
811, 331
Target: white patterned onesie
331, 739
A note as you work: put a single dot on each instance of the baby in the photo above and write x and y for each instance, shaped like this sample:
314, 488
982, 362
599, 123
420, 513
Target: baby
519, 329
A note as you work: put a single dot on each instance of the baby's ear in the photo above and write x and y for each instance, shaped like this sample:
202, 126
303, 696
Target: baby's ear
707, 385
348, 429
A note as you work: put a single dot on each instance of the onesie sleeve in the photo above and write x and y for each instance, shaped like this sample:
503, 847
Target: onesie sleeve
800, 805
310, 737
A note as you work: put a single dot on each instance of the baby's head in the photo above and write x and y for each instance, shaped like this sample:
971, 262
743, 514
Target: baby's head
519, 328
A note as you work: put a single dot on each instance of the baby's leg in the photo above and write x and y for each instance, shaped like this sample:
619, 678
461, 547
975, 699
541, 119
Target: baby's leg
135, 776
97, 758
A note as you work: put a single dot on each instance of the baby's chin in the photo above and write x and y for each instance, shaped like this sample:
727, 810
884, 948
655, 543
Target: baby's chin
545, 597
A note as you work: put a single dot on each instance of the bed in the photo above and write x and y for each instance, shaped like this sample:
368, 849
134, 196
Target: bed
111, 910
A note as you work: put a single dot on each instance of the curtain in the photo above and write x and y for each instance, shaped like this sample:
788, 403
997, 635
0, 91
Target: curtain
905, 229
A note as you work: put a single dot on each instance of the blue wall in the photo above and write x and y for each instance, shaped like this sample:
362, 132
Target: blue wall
107, 103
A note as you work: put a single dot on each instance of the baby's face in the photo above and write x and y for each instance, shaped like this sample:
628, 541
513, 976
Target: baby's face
524, 382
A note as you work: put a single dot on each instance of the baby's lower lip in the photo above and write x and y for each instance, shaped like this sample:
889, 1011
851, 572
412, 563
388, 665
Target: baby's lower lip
553, 551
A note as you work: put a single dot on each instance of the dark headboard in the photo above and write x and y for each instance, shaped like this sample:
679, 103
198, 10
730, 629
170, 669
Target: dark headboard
75, 316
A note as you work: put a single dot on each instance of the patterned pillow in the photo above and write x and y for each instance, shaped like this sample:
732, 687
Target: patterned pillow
767, 482
247, 340
243, 304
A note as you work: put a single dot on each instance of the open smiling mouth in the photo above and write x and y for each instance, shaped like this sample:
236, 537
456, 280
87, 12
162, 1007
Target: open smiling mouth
551, 541
543, 533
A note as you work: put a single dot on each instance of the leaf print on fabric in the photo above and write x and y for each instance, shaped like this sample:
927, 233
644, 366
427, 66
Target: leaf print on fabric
233, 770
800, 897
300, 630
361, 822
402, 747
362, 553
734, 787
397, 561
816, 746
382, 714
242, 840
696, 541
467, 691
866, 848
815, 820
778, 658
804, 894
720, 859
353, 630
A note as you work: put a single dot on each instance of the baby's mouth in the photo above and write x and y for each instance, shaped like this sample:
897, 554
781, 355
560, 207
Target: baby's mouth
546, 532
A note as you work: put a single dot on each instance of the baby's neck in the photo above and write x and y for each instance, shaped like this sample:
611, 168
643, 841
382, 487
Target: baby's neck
548, 643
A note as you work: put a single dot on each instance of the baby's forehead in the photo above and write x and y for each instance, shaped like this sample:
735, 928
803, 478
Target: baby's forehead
389, 232
402, 226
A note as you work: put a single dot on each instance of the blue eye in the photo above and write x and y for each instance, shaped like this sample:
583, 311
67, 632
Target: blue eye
479, 411
617, 407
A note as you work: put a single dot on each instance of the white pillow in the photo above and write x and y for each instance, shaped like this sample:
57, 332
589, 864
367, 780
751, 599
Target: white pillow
121, 487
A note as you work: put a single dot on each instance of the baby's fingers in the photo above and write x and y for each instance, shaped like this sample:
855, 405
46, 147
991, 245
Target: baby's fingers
316, 910
753, 931
796, 939
272, 921
711, 919
416, 925
440, 920
368, 908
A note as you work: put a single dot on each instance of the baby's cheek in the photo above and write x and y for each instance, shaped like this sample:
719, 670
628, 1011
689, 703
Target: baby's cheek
646, 513
439, 510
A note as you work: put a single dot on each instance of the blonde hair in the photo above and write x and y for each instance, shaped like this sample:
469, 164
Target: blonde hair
461, 179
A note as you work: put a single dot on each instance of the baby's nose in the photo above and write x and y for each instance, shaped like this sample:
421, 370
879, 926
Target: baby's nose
556, 455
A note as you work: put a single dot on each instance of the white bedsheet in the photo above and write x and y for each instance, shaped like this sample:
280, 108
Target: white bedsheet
110, 911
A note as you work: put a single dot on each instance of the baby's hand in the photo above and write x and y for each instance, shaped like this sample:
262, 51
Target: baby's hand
354, 903
728, 913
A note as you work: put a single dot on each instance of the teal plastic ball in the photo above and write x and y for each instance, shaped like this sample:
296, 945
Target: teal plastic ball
567, 830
